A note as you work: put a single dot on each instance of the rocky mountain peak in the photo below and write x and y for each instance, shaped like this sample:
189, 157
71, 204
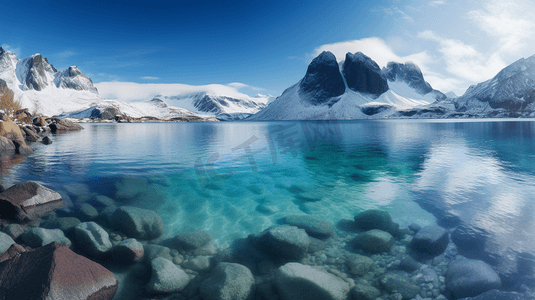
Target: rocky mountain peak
409, 73
34, 72
322, 80
363, 75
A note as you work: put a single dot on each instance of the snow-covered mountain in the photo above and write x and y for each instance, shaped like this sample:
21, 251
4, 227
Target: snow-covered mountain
354, 89
38, 86
223, 107
510, 93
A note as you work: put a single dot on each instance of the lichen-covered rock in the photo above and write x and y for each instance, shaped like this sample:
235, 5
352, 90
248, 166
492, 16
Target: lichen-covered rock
137, 222
28, 201
295, 281
166, 277
55, 272
228, 281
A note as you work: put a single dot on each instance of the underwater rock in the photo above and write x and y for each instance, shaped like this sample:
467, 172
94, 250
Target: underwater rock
469, 278
228, 281
86, 212
373, 241
365, 292
198, 263
359, 264
190, 240
66, 224
153, 251
409, 264
166, 277
14, 230
431, 240
376, 219
5, 242
128, 251
399, 283
500, 295
55, 272
39, 237
92, 239
138, 222
296, 281
287, 242
313, 225
28, 201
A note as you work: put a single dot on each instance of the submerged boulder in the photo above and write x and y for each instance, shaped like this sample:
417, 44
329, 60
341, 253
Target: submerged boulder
376, 219
166, 277
228, 281
54, 272
287, 242
190, 240
28, 201
138, 222
38, 237
431, 240
313, 225
296, 281
373, 241
469, 278
128, 251
92, 239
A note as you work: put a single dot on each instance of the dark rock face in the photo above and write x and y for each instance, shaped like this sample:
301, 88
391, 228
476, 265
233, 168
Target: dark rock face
54, 272
322, 80
431, 240
408, 73
28, 201
36, 77
109, 113
363, 75
469, 278
63, 125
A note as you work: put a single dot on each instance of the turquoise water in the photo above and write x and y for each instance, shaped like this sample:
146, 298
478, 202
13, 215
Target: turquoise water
478, 174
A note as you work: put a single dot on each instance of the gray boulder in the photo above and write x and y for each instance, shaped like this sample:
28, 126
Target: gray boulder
92, 239
500, 295
313, 225
28, 201
154, 251
376, 219
431, 240
66, 224
373, 241
198, 263
39, 237
295, 281
5, 242
399, 283
128, 251
287, 242
166, 277
359, 264
469, 278
190, 240
14, 230
86, 212
365, 292
228, 281
138, 222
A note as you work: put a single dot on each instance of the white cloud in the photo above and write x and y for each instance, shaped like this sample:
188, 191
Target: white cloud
11, 49
395, 12
510, 21
150, 78
437, 3
131, 91
464, 60
237, 85
373, 47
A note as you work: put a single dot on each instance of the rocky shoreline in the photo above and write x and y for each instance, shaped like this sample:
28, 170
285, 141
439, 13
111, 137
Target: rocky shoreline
93, 248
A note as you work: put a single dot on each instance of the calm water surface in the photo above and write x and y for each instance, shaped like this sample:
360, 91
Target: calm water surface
241, 177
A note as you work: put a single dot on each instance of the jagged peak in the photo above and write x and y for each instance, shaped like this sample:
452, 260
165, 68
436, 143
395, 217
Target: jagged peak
359, 56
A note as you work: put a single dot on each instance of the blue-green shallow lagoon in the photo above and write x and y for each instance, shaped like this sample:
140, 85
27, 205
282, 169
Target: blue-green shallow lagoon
236, 178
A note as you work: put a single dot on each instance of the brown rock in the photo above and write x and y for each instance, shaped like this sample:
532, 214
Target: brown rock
28, 201
11, 131
39, 121
63, 125
31, 135
54, 272
13, 251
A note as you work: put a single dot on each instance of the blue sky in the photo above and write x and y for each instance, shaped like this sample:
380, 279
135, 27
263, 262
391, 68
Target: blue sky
267, 45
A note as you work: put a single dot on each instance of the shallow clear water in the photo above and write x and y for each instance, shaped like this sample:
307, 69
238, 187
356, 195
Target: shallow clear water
241, 177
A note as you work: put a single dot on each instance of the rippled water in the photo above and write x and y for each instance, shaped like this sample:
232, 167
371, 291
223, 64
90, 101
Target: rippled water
236, 178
